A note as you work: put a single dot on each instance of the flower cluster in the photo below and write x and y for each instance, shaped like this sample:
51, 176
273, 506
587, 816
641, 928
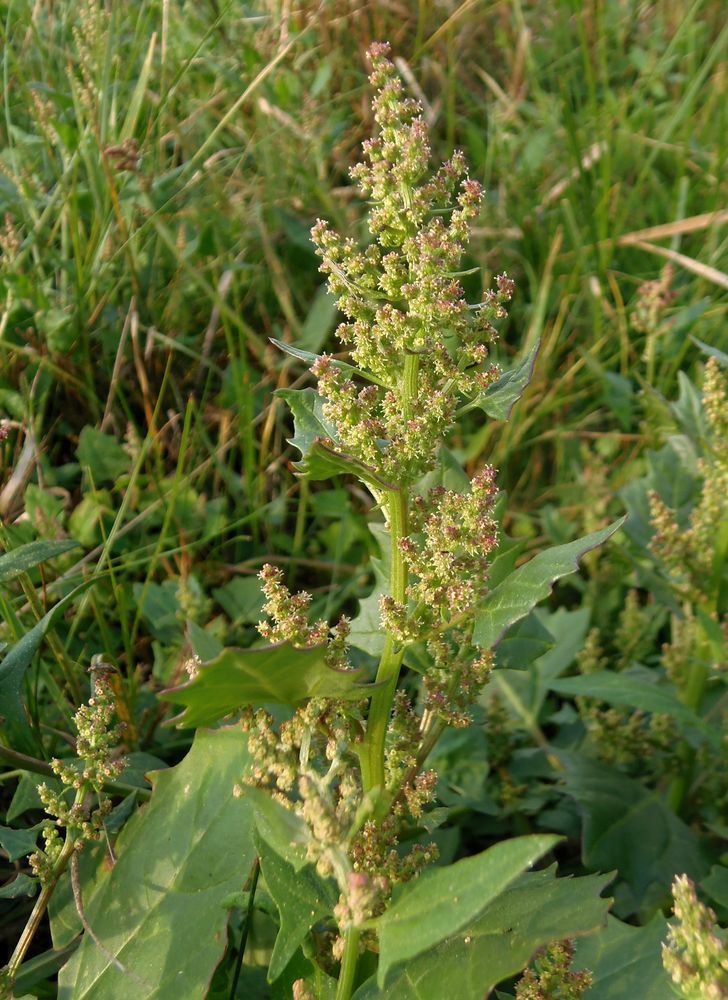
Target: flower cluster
403, 298
653, 297
687, 553
695, 953
97, 764
290, 620
308, 765
550, 976
452, 537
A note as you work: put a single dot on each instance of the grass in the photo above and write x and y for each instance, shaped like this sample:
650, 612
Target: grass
161, 166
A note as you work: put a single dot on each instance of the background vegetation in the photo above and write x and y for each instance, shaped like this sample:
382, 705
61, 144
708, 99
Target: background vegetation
162, 164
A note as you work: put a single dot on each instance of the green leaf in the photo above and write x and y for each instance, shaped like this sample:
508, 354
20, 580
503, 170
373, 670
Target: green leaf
716, 885
13, 667
537, 909
159, 910
525, 642
280, 675
311, 429
443, 901
302, 898
22, 885
204, 644
499, 399
296, 352
22, 559
102, 455
635, 692
285, 833
713, 352
625, 961
629, 828
18, 843
512, 599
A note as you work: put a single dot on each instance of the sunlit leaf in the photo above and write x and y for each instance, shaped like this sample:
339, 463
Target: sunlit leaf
281, 675
512, 599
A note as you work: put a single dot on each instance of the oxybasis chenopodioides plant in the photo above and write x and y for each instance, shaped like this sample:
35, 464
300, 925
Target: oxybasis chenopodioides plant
342, 783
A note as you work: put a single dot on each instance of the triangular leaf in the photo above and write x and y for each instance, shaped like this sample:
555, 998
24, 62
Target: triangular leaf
281, 675
512, 599
499, 398
316, 439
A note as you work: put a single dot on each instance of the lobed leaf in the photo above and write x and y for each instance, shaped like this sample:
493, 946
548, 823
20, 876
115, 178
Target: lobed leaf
629, 828
280, 675
314, 435
521, 591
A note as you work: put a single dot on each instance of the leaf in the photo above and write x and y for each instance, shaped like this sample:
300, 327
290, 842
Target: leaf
366, 629
629, 828
311, 429
285, 832
499, 399
525, 642
102, 455
280, 675
302, 898
22, 885
512, 599
713, 352
204, 644
441, 902
634, 692
296, 352
25, 557
13, 667
716, 885
535, 910
159, 910
18, 843
625, 961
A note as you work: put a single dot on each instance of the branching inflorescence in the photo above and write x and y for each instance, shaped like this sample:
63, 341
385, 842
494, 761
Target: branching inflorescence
417, 350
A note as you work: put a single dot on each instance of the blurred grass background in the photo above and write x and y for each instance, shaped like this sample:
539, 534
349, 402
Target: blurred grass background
162, 163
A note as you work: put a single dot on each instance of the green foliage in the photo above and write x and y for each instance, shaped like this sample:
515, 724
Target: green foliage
280, 674
159, 176
159, 910
531, 583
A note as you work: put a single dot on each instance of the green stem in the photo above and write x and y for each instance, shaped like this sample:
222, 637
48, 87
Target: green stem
371, 754
345, 985
692, 696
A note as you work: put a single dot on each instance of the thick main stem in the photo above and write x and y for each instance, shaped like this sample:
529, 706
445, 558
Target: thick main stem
345, 985
372, 752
